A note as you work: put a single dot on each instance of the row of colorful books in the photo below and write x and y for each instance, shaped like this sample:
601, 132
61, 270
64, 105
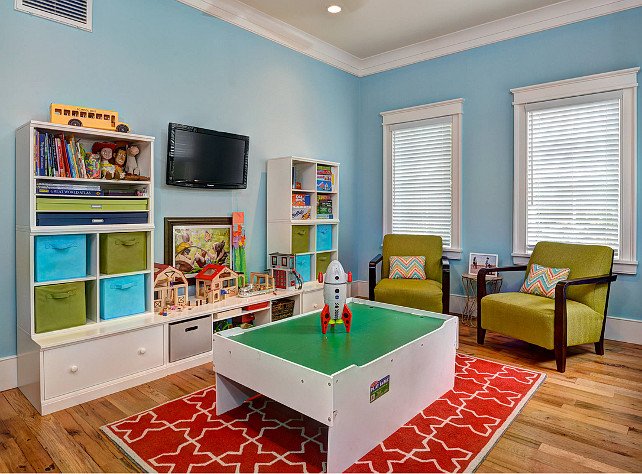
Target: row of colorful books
325, 178
58, 156
324, 207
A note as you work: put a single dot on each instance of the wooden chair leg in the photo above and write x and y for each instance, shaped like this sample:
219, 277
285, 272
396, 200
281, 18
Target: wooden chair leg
599, 347
560, 358
481, 334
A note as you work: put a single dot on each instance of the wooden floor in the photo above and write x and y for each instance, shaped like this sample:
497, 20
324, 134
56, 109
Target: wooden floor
588, 419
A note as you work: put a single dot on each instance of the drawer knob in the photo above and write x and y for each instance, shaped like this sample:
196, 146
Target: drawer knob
142, 350
73, 369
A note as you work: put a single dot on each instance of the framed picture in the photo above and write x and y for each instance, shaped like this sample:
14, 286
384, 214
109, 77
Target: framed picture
482, 260
191, 243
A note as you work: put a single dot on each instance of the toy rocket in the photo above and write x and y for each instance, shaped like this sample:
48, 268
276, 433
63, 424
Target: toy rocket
335, 290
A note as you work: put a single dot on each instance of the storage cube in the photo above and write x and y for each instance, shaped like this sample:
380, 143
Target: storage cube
300, 239
303, 266
60, 257
90, 218
323, 260
123, 252
89, 204
324, 237
122, 296
59, 306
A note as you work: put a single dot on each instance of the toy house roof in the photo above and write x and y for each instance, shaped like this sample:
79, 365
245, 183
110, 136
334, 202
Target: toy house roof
212, 271
167, 271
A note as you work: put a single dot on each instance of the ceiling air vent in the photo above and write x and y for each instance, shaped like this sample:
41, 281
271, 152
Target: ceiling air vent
75, 13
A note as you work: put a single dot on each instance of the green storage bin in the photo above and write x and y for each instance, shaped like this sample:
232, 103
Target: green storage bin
300, 238
59, 306
323, 260
90, 204
123, 252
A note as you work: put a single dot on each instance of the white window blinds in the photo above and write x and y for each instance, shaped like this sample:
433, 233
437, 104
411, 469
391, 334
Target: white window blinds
422, 155
573, 174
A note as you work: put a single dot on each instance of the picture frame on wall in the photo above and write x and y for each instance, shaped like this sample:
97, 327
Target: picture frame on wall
191, 243
482, 260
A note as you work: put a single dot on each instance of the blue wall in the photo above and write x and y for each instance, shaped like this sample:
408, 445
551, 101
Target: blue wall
160, 61
484, 77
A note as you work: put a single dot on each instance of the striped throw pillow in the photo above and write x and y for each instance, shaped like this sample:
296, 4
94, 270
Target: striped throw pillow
541, 280
408, 268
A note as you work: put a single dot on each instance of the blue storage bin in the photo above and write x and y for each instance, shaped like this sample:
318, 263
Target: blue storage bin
303, 266
60, 257
324, 237
122, 296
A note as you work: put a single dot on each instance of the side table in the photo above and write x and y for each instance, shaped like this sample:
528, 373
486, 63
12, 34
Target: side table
469, 280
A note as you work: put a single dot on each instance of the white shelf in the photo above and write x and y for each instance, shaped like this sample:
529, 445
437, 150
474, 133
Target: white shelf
75, 196
105, 276
59, 282
88, 229
90, 180
313, 221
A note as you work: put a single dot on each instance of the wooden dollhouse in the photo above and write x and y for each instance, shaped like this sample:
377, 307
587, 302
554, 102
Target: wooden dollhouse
215, 282
170, 287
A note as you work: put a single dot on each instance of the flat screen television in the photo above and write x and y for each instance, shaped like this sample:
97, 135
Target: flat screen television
201, 158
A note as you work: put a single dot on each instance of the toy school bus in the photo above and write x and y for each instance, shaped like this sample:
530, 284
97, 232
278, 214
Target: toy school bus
84, 117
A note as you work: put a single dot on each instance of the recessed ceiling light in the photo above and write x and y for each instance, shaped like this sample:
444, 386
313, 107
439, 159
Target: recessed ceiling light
334, 8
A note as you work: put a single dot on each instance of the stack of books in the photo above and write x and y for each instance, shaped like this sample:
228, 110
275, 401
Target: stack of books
325, 178
57, 156
324, 207
301, 208
69, 189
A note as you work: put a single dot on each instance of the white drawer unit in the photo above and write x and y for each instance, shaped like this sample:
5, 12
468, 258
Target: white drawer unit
312, 301
189, 338
77, 366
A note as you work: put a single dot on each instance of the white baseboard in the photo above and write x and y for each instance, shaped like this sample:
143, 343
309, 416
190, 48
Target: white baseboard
359, 288
623, 330
8, 373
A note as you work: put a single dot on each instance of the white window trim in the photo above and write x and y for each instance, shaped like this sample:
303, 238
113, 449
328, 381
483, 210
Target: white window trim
452, 108
624, 80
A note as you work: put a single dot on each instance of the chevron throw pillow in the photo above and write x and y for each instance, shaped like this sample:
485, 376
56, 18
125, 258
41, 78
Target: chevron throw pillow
408, 268
541, 280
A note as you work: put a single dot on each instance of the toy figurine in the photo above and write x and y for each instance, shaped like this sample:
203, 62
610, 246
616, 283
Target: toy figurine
106, 151
119, 158
335, 291
131, 166
92, 165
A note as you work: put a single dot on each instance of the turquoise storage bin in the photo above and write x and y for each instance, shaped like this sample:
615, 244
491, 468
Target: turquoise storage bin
324, 237
122, 296
303, 266
60, 257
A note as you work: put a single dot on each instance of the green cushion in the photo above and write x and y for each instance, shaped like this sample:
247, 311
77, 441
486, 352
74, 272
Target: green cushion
583, 261
430, 246
420, 294
530, 318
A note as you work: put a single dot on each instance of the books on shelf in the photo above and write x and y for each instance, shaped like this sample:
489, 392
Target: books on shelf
324, 207
58, 156
69, 189
325, 178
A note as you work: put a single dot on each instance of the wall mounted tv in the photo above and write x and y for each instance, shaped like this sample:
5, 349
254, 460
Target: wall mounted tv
201, 158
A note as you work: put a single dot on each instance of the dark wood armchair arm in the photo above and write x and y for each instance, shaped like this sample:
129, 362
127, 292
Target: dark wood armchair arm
559, 323
372, 275
445, 285
481, 292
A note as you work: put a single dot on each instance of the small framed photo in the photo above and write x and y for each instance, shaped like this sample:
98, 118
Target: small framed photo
482, 260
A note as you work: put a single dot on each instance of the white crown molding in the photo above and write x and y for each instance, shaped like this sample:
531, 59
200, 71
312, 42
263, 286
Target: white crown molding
262, 24
545, 18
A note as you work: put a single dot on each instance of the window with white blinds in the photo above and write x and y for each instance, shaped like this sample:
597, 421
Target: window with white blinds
422, 178
575, 165
422, 172
573, 154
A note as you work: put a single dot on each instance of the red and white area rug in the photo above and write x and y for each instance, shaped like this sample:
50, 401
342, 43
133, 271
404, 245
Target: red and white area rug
454, 434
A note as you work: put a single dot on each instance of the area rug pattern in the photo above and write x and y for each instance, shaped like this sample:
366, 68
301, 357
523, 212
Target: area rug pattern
454, 434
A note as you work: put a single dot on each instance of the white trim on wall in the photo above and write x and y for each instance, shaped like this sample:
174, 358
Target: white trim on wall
540, 19
8, 373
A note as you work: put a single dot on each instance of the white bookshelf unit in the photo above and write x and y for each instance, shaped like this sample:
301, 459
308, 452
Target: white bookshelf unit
283, 174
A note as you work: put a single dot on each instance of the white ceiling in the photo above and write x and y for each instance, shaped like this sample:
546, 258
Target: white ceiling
371, 36
368, 27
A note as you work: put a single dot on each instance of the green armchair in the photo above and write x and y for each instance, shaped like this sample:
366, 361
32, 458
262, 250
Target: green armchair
576, 316
432, 294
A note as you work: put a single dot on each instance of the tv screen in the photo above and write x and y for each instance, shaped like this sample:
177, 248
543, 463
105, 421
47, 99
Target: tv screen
197, 157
